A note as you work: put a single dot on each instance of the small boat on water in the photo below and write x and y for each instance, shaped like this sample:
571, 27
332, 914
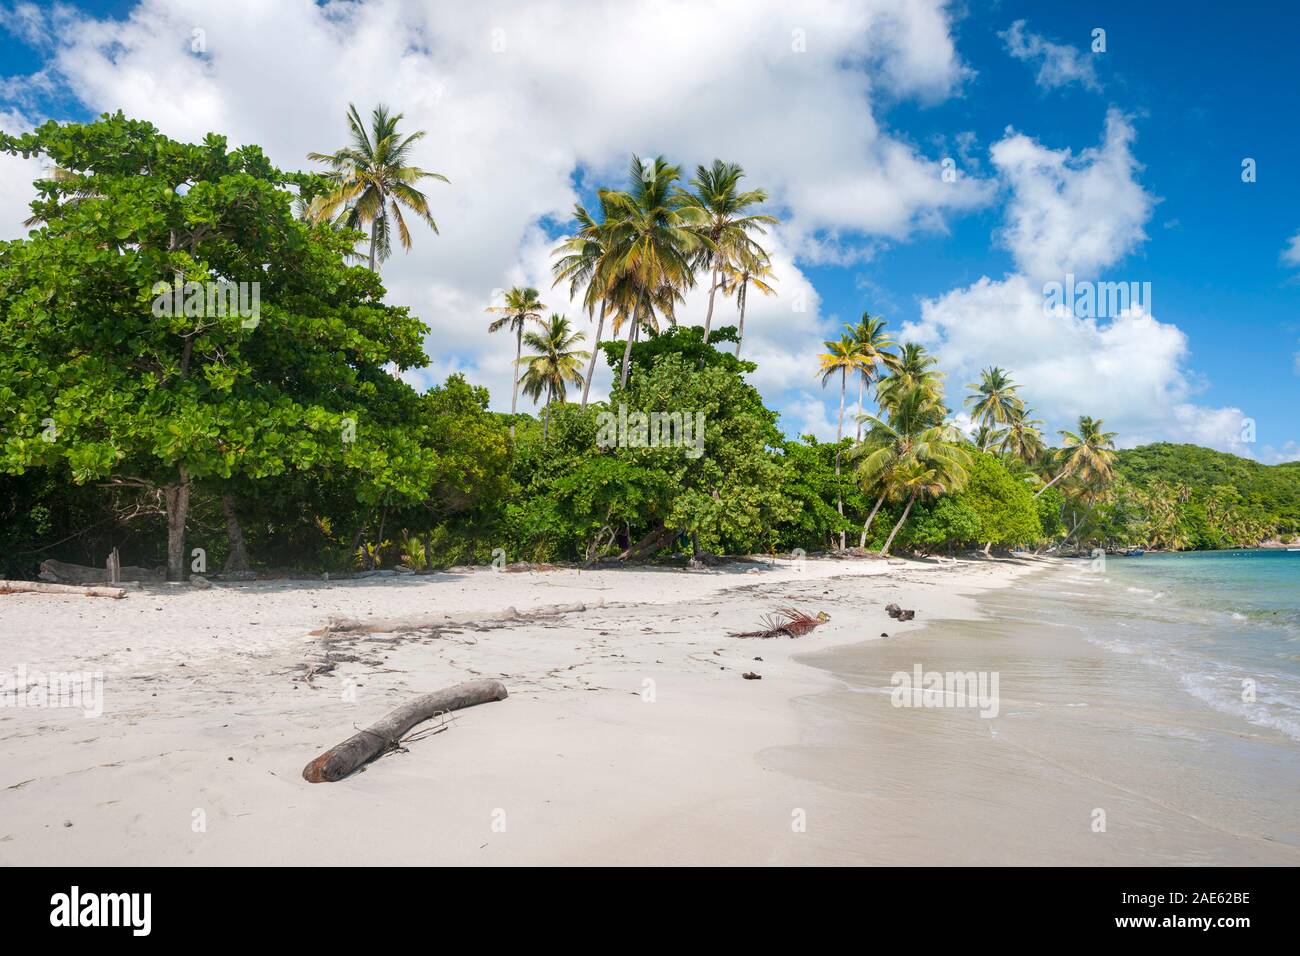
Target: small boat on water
1133, 552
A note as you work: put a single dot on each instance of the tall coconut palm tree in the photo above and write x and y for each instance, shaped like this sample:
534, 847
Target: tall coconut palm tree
993, 402
521, 306
584, 261
875, 346
935, 468
1022, 437
555, 364
912, 416
840, 358
1088, 455
727, 222
912, 366
374, 181
654, 241
737, 277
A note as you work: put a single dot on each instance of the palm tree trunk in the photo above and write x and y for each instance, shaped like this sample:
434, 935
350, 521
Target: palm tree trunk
839, 436
866, 525
595, 350
546, 425
857, 437
374, 228
890, 540
740, 332
631, 337
514, 374
1050, 483
708, 316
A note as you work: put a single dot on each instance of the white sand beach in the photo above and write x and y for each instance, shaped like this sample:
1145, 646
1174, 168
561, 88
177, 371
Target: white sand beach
629, 736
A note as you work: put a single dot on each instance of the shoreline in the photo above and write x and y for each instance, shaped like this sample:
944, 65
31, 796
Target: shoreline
1097, 756
629, 734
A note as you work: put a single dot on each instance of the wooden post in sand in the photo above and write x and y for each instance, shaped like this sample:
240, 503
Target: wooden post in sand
114, 566
379, 738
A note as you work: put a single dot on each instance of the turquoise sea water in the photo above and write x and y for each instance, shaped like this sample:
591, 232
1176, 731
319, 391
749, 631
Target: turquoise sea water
1214, 620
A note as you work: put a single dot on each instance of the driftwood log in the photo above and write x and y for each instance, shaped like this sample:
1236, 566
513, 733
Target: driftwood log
42, 587
61, 572
381, 737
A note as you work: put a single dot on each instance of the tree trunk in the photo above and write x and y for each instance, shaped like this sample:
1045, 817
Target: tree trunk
237, 559
356, 540
839, 436
385, 735
708, 316
890, 540
649, 544
371, 559
595, 350
514, 375
546, 425
631, 337
1050, 483
374, 228
857, 436
740, 332
866, 525
178, 506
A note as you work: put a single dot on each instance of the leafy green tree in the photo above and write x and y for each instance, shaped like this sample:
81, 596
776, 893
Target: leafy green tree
947, 521
112, 375
1004, 506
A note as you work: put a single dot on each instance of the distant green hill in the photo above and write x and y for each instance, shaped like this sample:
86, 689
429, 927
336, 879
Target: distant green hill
1269, 494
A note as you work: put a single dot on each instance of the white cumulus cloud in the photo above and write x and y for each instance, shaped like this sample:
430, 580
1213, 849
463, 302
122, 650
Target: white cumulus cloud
1058, 64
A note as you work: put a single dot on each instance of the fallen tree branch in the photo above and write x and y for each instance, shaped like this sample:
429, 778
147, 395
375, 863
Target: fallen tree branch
383, 736
41, 587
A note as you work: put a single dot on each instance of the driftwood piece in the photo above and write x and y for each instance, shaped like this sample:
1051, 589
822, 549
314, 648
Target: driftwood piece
61, 572
44, 587
381, 737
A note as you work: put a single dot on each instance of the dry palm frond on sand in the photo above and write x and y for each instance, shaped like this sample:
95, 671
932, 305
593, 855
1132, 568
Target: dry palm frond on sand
788, 621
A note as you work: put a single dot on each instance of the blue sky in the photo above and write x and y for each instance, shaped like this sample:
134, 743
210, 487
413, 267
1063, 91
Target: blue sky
1182, 94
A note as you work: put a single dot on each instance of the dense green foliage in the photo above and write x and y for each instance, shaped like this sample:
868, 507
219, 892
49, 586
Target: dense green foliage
285, 440
1187, 497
